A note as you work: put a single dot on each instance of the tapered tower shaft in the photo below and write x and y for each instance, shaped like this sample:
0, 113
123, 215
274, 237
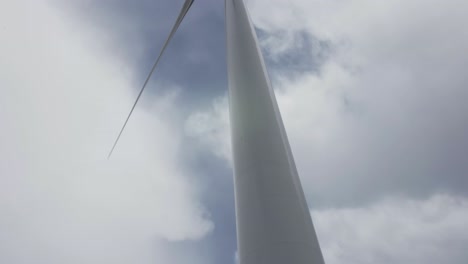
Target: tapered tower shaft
273, 220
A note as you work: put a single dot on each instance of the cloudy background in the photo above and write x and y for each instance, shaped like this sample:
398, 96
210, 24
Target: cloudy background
373, 95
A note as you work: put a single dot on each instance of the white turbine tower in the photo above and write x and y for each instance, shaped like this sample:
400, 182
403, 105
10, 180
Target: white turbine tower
272, 217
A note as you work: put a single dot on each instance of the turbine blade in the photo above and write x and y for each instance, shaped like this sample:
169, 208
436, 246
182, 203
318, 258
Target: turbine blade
183, 12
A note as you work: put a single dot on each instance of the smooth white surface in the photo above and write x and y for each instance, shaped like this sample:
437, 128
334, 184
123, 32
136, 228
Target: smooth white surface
273, 220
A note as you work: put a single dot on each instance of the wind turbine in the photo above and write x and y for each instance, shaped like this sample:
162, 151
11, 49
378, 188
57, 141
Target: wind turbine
272, 217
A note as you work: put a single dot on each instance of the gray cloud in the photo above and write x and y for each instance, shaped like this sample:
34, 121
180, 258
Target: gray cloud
195, 60
292, 53
390, 114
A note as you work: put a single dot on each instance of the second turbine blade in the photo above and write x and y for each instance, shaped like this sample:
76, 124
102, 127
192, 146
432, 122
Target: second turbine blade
183, 12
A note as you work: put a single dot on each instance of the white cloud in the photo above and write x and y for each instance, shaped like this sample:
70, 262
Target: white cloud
396, 231
211, 129
62, 101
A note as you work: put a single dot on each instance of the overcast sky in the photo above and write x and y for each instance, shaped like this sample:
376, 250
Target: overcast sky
373, 94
